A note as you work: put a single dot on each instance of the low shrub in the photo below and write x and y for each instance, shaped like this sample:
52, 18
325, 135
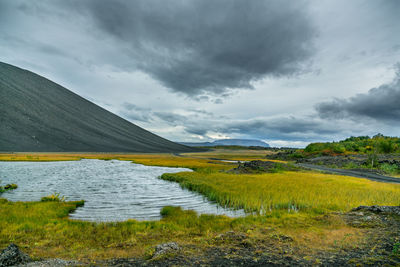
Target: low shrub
389, 168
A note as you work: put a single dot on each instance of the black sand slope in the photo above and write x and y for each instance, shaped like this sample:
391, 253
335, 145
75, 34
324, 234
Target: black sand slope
39, 115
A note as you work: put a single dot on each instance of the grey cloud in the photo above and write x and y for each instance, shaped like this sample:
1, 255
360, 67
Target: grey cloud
289, 128
284, 126
199, 47
202, 112
381, 104
197, 129
396, 48
172, 118
134, 112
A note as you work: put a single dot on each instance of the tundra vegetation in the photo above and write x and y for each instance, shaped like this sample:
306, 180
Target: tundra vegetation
379, 153
302, 206
360, 144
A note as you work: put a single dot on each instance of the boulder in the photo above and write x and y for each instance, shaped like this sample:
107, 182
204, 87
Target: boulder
165, 248
12, 255
380, 209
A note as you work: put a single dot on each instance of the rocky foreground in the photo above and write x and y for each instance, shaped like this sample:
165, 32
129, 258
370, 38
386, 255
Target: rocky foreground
381, 224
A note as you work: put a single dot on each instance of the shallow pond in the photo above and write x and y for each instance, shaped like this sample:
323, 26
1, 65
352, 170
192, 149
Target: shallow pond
113, 190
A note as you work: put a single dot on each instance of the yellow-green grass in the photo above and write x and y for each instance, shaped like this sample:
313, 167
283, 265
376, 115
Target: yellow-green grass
309, 191
226, 154
164, 160
37, 157
43, 230
291, 201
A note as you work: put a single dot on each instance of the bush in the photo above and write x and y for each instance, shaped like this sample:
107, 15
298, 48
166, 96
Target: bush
296, 155
372, 160
387, 146
363, 144
389, 168
338, 148
315, 147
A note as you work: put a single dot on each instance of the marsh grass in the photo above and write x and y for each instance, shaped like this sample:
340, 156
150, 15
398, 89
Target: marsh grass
292, 191
296, 204
261, 193
43, 229
224, 154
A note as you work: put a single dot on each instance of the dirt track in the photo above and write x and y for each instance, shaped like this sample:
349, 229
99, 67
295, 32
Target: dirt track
353, 173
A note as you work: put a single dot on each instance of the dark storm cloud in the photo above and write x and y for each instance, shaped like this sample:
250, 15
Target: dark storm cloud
381, 103
207, 46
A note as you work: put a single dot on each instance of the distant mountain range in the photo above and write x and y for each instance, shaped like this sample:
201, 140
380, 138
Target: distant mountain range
37, 114
229, 142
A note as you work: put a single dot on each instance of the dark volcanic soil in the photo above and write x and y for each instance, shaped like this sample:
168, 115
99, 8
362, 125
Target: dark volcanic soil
259, 166
41, 116
356, 161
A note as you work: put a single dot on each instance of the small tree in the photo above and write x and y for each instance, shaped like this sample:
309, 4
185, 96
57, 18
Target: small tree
372, 159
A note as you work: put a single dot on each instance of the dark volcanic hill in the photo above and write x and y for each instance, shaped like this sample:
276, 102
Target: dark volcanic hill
37, 114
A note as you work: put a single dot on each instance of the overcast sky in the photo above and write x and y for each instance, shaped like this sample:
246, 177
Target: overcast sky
288, 72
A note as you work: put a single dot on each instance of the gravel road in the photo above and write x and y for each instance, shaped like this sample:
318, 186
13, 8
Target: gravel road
353, 173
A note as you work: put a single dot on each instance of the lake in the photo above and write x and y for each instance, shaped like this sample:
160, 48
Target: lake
113, 190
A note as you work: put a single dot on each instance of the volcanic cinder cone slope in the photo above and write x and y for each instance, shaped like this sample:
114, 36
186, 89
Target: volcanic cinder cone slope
37, 114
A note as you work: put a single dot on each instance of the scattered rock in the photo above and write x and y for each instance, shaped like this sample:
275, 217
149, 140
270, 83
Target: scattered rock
357, 162
165, 248
231, 236
380, 209
50, 263
10, 186
282, 238
11, 256
259, 166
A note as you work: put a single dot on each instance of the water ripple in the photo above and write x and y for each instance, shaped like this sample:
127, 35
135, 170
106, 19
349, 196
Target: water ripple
113, 190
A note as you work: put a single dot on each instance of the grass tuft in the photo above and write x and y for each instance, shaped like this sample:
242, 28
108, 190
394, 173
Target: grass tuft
53, 197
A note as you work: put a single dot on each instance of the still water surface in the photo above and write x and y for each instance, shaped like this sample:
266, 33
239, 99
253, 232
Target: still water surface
113, 190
